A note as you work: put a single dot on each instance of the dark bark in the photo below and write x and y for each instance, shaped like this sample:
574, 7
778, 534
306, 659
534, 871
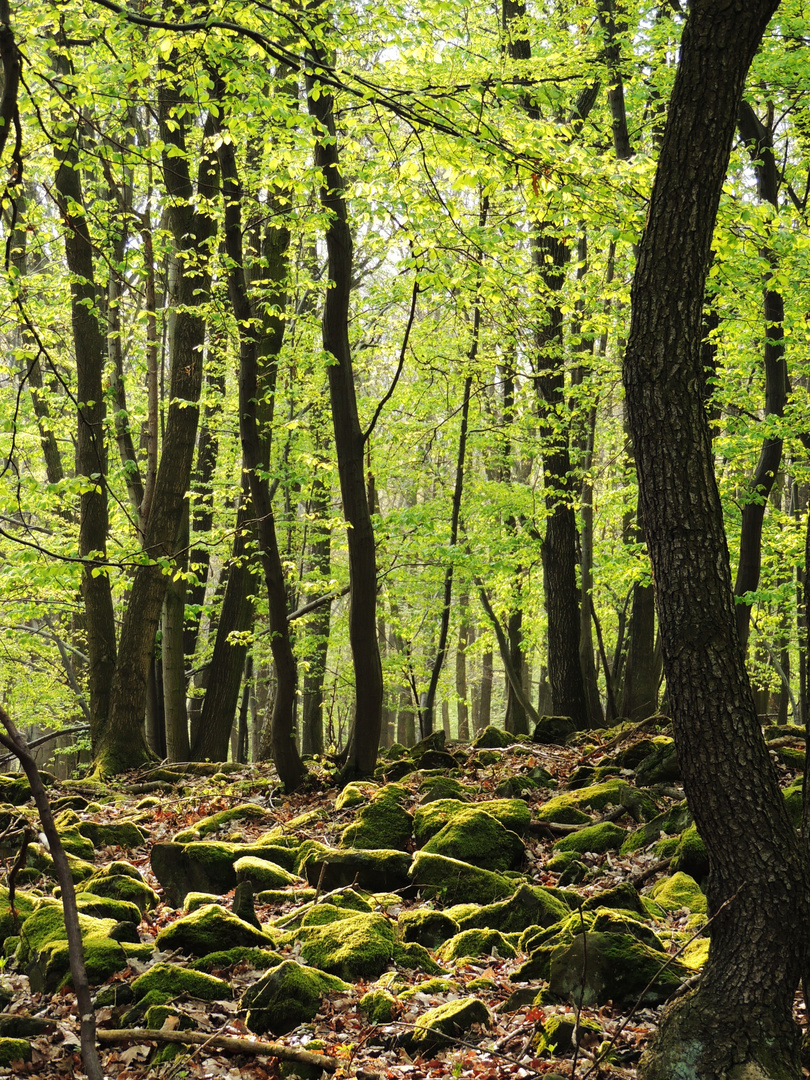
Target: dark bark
759, 140
361, 751
318, 626
258, 365
174, 668
516, 720
740, 1017
463, 643
642, 674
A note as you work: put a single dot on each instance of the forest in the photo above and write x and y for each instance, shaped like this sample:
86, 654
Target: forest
371, 374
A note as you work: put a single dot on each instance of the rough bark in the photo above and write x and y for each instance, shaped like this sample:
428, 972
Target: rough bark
739, 1020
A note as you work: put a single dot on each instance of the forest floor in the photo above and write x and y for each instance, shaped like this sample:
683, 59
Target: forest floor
504, 1048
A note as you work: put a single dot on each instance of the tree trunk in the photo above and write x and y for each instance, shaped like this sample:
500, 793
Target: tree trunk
364, 739
640, 689
463, 643
739, 1020
318, 627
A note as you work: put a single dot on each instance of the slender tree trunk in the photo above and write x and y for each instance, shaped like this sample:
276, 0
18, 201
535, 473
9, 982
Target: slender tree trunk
463, 643
484, 718
739, 1019
361, 752
174, 667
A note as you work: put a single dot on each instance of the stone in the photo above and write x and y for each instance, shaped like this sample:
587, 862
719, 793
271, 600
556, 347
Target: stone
442, 787
378, 1005
24, 903
263, 874
614, 792
210, 929
165, 982
492, 738
454, 881
599, 967
359, 946
12, 1050
43, 948
120, 881
124, 834
529, 905
453, 1019
474, 836
413, 956
381, 823
672, 822
677, 892
691, 856
375, 871
554, 730
67, 825
427, 927
214, 823
596, 839
661, 766
287, 996
556, 1035
356, 794
624, 896
480, 942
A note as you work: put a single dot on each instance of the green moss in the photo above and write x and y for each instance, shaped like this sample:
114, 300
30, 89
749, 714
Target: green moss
529, 905
474, 836
378, 1005
355, 794
493, 738
431, 818
562, 813
214, 822
24, 904
696, 953
104, 907
593, 838
476, 943
210, 929
597, 967
12, 1050
40, 859
414, 957
691, 856
443, 787
260, 959
624, 897
195, 900
556, 1034
381, 823
376, 871
285, 896
454, 881
121, 881
359, 946
679, 891
164, 982
793, 802
611, 921
452, 1019
43, 948
427, 927
263, 874
598, 796
287, 996
430, 987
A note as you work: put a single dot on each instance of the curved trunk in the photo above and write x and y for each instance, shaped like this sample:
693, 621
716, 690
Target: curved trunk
739, 1020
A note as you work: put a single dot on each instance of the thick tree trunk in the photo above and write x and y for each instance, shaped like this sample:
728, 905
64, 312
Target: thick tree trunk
642, 673
739, 1020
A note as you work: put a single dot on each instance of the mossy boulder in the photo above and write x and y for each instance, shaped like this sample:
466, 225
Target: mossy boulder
624, 896
561, 812
677, 892
671, 823
242, 956
105, 907
120, 881
43, 948
454, 881
414, 957
474, 836
381, 870
442, 787
596, 839
613, 921
599, 967
356, 947
12, 1050
165, 982
356, 794
39, 859
430, 988
431, 818
492, 738
195, 900
210, 929
14, 789
614, 792
794, 800
214, 823
288, 995
691, 856
123, 834
529, 905
554, 730
67, 825
474, 943
263, 874
427, 927
556, 1034
378, 1005
381, 823
452, 1020
24, 904
661, 766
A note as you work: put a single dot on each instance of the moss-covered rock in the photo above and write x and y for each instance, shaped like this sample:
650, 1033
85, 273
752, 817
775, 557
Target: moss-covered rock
378, 1005
381, 823
530, 905
493, 738
263, 874
67, 825
480, 942
165, 982
356, 794
14, 788
195, 900
43, 948
794, 800
691, 856
613, 921
475, 837
679, 891
24, 904
427, 927
214, 823
454, 881
12, 1050
624, 896
453, 1020
39, 859
123, 834
375, 871
105, 907
554, 730
443, 787
671, 823
120, 881
247, 956
210, 929
597, 967
414, 957
614, 792
431, 818
357, 947
661, 766
555, 1037
561, 812
430, 988
287, 996
596, 839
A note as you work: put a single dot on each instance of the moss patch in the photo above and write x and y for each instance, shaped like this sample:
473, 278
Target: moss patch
378, 1005
287, 996
359, 946
596, 839
474, 836
207, 826
210, 929
679, 891
452, 1019
530, 905
476, 943
428, 928
454, 881
168, 981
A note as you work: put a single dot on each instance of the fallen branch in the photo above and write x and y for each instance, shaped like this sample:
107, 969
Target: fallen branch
225, 1042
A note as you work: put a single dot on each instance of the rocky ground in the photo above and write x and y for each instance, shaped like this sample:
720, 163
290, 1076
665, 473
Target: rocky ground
507, 909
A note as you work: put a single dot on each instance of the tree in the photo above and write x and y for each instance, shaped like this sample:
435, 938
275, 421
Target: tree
739, 1020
